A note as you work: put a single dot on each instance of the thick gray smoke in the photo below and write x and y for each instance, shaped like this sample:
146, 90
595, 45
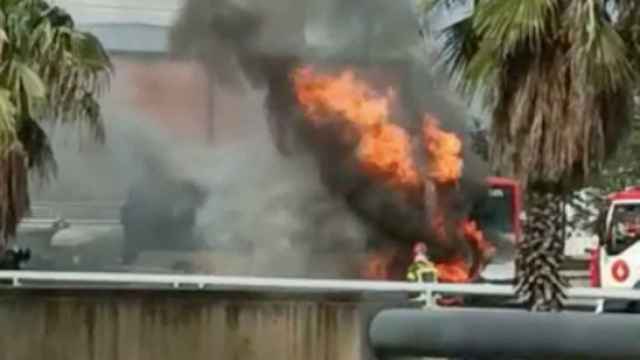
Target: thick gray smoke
98, 173
277, 210
262, 214
263, 42
309, 213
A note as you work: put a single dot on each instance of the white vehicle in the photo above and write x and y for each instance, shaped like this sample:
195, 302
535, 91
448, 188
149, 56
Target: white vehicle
616, 262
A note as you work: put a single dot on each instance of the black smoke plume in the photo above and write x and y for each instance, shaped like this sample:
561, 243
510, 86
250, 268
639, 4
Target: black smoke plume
257, 44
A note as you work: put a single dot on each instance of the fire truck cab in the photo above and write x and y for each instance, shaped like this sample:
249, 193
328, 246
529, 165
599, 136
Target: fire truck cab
502, 210
499, 216
616, 261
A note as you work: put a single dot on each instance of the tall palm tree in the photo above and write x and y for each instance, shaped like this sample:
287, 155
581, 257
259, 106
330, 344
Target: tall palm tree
49, 71
557, 78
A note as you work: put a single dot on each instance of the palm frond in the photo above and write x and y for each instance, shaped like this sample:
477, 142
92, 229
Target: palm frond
38, 149
503, 29
89, 52
460, 45
49, 71
599, 52
506, 26
539, 63
628, 27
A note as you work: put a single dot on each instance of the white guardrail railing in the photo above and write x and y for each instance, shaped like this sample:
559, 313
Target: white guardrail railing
31, 223
127, 281
76, 210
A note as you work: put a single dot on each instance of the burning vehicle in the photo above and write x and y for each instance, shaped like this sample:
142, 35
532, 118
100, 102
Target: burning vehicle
385, 136
344, 83
415, 178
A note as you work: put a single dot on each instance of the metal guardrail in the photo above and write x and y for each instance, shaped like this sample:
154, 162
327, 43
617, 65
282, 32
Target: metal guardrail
49, 222
51, 206
76, 209
205, 282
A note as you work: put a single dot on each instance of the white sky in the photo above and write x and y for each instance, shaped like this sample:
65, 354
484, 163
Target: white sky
154, 12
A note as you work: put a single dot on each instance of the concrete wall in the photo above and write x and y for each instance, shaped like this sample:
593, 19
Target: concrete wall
172, 325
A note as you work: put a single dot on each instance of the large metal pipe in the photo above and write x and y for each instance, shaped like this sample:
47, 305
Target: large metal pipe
499, 334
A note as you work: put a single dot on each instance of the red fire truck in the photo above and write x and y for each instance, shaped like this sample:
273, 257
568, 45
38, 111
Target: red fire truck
499, 217
505, 200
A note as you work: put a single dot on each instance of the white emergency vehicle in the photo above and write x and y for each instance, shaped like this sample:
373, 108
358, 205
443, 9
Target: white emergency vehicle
616, 261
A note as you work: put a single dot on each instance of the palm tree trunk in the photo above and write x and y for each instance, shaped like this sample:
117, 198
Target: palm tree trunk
539, 281
14, 196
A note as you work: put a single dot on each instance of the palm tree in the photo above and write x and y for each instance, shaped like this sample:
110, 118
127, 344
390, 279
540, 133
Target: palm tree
557, 78
49, 71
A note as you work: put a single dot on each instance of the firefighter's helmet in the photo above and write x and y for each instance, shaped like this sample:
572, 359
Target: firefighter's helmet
420, 248
420, 252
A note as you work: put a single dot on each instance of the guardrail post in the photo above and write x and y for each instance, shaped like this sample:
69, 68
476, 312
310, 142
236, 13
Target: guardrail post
430, 300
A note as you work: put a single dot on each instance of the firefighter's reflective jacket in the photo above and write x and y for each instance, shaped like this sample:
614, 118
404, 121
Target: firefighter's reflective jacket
422, 271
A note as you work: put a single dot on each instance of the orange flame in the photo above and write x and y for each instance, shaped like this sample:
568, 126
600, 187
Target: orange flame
378, 265
324, 97
454, 270
476, 237
384, 151
443, 151
384, 148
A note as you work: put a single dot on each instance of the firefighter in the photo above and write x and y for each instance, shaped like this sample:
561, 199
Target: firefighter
624, 231
421, 270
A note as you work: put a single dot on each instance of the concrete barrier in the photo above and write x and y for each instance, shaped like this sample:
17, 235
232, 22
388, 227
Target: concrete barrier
132, 324
100, 316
